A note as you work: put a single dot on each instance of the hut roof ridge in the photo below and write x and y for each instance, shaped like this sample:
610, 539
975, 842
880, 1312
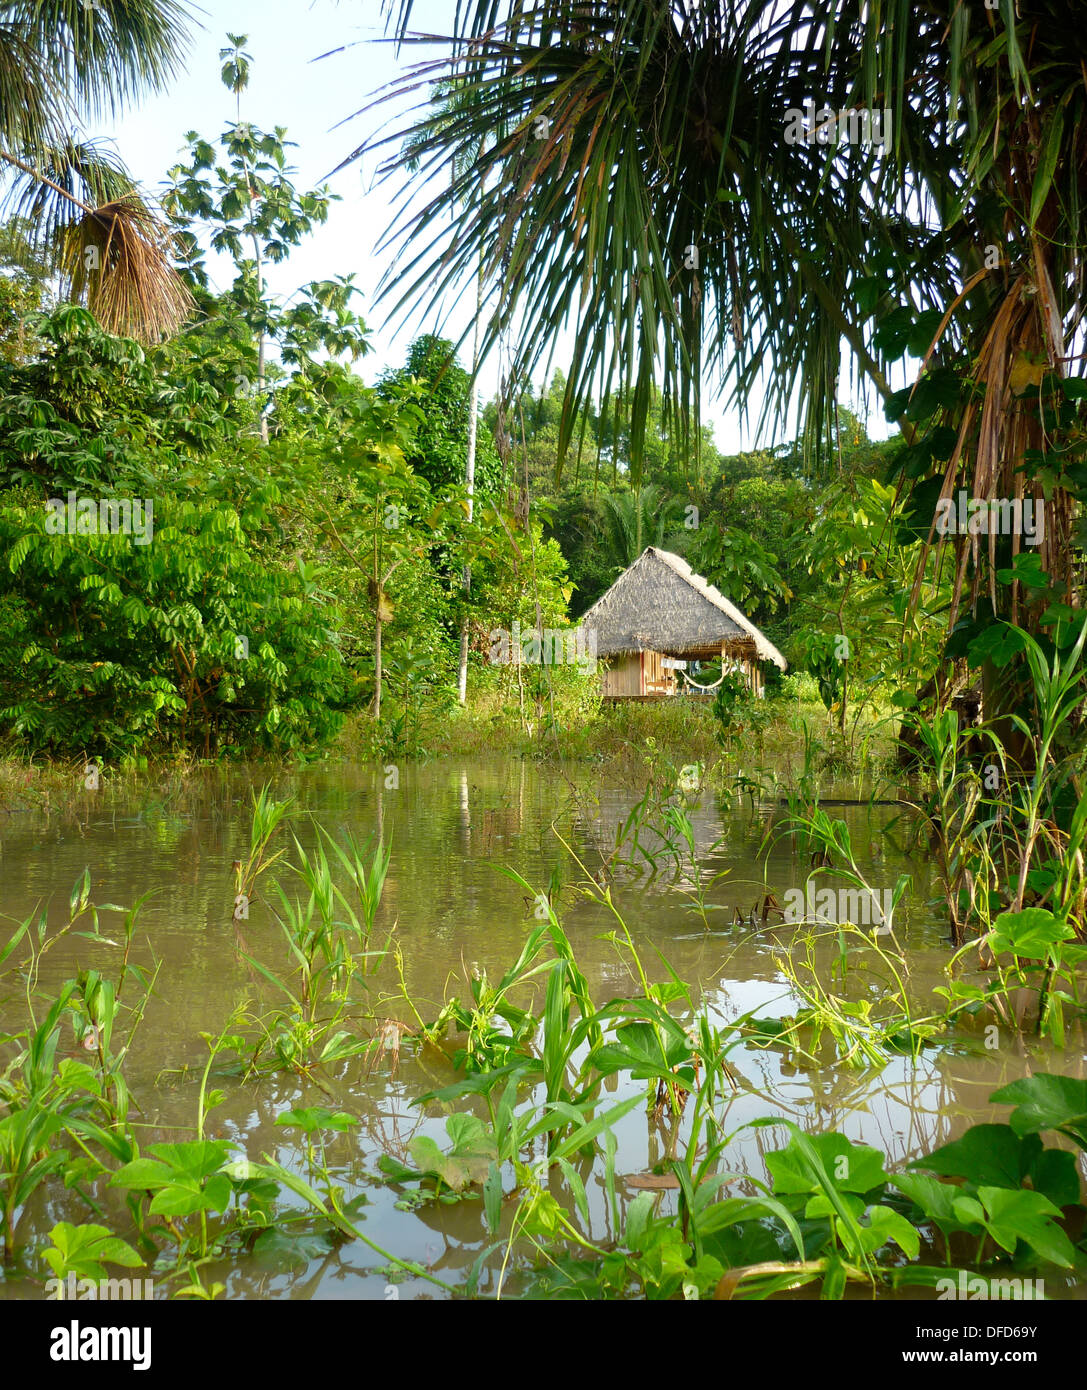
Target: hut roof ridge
643, 629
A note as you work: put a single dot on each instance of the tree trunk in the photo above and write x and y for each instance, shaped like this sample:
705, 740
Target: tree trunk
261, 352
377, 671
470, 482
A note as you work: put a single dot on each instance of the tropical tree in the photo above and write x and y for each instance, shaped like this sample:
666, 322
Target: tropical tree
169, 611
633, 520
741, 187
237, 197
62, 61
24, 290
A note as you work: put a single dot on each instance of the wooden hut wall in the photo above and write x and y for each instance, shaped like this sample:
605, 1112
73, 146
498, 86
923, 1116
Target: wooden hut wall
637, 675
623, 675
634, 675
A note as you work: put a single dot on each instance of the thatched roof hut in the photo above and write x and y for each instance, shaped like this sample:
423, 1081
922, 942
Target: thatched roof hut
659, 608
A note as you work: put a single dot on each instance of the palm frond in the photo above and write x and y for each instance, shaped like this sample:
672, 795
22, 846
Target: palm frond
108, 53
61, 58
113, 249
657, 208
32, 102
58, 186
120, 258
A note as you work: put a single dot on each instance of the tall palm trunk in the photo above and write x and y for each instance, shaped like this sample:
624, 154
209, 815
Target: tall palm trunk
470, 479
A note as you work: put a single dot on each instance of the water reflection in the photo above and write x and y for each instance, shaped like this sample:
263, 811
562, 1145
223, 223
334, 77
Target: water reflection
450, 824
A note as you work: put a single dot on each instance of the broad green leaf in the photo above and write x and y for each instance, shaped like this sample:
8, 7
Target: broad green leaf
283, 1250
883, 1225
1031, 934
1026, 1216
993, 1155
1045, 1102
851, 1167
316, 1117
85, 1250
934, 1198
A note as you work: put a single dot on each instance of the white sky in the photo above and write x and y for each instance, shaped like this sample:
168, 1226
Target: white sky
288, 88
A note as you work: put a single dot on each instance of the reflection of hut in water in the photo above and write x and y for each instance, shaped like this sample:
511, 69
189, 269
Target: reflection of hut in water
657, 616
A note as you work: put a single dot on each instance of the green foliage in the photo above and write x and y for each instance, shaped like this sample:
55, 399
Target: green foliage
468, 1160
439, 451
735, 708
1047, 1102
634, 520
24, 291
191, 640
737, 564
84, 1251
237, 621
832, 1214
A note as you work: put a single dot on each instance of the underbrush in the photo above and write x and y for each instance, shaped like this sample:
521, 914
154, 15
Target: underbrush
620, 733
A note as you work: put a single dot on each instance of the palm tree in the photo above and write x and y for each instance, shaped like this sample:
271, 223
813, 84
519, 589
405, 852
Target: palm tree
633, 520
669, 215
60, 61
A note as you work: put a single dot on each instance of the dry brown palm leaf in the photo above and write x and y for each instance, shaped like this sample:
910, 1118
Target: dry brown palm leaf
1020, 346
119, 257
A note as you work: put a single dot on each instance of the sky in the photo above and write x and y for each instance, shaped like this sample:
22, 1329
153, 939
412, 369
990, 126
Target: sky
315, 97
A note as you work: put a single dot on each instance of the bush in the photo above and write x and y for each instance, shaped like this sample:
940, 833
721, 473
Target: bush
107, 646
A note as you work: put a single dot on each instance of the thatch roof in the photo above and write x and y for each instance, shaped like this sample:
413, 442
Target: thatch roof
659, 604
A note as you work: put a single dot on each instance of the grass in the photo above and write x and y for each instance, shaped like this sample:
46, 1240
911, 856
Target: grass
620, 735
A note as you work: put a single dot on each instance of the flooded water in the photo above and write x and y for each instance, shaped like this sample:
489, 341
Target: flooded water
451, 826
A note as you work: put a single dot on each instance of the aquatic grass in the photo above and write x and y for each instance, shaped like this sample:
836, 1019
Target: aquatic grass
866, 1034
830, 1214
1057, 692
833, 846
962, 822
327, 933
266, 818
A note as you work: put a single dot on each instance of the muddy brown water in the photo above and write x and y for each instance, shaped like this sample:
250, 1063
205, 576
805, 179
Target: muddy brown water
451, 824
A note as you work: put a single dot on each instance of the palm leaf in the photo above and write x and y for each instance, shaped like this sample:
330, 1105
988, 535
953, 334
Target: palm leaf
31, 96
664, 214
666, 137
105, 54
113, 249
60, 59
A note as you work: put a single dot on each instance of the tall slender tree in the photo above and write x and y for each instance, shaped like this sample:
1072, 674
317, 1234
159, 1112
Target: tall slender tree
448, 97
